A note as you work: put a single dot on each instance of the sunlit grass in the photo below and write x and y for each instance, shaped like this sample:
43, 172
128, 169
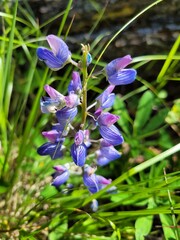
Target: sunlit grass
145, 193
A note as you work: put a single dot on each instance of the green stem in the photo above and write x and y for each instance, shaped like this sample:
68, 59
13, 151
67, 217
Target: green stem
84, 90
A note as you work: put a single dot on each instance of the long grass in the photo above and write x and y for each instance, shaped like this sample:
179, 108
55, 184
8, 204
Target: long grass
145, 203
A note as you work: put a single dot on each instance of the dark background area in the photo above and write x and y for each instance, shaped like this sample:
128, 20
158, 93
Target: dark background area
153, 32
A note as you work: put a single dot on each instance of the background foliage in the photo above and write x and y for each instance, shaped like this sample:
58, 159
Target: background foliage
146, 203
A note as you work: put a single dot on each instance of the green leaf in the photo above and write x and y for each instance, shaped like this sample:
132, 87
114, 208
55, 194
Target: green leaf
167, 225
121, 110
168, 61
57, 227
156, 121
26, 235
174, 114
143, 111
143, 227
3, 189
49, 191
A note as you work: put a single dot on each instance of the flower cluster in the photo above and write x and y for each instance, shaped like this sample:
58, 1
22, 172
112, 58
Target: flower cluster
102, 150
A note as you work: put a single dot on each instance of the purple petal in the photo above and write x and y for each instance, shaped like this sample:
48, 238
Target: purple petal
72, 100
49, 105
123, 77
87, 141
75, 84
102, 161
60, 168
109, 102
98, 112
104, 143
52, 136
107, 154
110, 152
78, 154
117, 65
111, 135
58, 127
52, 149
53, 93
91, 182
106, 99
59, 47
66, 115
79, 137
102, 180
48, 57
104, 95
107, 119
59, 180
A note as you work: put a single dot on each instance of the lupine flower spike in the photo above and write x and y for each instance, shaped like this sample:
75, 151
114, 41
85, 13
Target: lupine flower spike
83, 149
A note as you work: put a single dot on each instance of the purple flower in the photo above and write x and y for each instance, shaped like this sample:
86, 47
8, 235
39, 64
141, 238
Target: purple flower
79, 137
75, 84
111, 134
53, 93
106, 154
49, 105
66, 116
60, 175
90, 179
78, 153
54, 102
102, 181
79, 149
106, 99
116, 72
58, 56
52, 136
52, 149
72, 100
107, 119
87, 138
108, 131
94, 182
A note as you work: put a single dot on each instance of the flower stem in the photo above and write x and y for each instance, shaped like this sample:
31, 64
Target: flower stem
85, 51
